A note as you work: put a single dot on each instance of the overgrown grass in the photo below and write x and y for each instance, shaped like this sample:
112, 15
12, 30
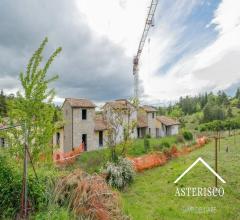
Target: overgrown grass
92, 161
152, 195
137, 148
54, 213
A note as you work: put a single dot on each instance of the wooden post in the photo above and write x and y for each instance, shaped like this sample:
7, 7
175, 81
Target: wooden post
219, 140
216, 159
24, 205
24, 186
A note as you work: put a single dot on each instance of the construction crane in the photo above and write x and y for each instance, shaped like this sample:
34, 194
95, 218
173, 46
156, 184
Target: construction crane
148, 24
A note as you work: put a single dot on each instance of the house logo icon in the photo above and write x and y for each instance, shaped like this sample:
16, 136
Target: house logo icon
206, 165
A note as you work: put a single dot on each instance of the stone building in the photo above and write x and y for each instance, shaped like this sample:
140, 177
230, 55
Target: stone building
147, 121
169, 126
155, 126
84, 127
123, 112
81, 126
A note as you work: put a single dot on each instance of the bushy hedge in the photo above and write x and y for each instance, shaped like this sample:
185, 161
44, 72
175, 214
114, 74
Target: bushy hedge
11, 188
188, 136
165, 144
120, 174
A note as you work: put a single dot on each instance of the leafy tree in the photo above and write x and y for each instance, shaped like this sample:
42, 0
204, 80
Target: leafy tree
3, 105
32, 110
222, 98
120, 120
187, 135
237, 96
213, 112
161, 110
176, 112
229, 112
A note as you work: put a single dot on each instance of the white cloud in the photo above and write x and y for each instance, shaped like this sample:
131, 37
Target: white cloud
121, 21
215, 67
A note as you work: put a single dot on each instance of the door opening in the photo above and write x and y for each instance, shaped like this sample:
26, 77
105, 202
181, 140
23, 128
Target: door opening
100, 138
84, 141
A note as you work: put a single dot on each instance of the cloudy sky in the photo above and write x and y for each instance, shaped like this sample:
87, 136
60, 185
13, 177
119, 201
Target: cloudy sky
194, 46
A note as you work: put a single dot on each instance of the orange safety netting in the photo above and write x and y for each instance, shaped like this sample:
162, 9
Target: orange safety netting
149, 161
158, 159
60, 157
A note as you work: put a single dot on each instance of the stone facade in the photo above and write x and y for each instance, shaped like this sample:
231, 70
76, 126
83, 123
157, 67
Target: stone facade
155, 126
82, 126
79, 127
125, 111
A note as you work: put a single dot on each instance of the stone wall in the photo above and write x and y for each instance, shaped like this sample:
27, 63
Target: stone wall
67, 115
81, 127
151, 123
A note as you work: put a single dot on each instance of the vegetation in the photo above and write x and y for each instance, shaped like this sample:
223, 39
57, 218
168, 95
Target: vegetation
31, 116
203, 108
121, 174
88, 196
187, 135
218, 125
117, 122
3, 104
152, 195
11, 187
34, 127
146, 143
93, 161
74, 194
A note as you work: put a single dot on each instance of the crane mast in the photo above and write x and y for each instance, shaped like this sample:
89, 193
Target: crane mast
148, 24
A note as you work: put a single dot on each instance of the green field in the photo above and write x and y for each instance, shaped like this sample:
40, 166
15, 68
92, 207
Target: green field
152, 195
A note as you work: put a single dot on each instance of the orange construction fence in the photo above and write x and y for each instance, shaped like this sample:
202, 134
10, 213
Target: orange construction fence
158, 159
60, 157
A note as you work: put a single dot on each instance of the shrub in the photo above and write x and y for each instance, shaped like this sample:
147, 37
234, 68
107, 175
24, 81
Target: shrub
188, 136
146, 144
147, 136
165, 144
88, 196
120, 174
11, 188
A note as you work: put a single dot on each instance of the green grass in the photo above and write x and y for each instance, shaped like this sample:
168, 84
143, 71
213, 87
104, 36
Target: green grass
137, 148
92, 161
152, 195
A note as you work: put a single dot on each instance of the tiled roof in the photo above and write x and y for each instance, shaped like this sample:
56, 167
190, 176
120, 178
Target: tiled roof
142, 121
82, 103
167, 121
119, 104
100, 123
148, 108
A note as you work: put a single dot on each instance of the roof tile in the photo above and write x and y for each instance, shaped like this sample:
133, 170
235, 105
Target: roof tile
82, 103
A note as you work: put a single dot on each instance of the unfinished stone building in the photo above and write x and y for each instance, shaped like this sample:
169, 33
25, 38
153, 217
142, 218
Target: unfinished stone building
83, 126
